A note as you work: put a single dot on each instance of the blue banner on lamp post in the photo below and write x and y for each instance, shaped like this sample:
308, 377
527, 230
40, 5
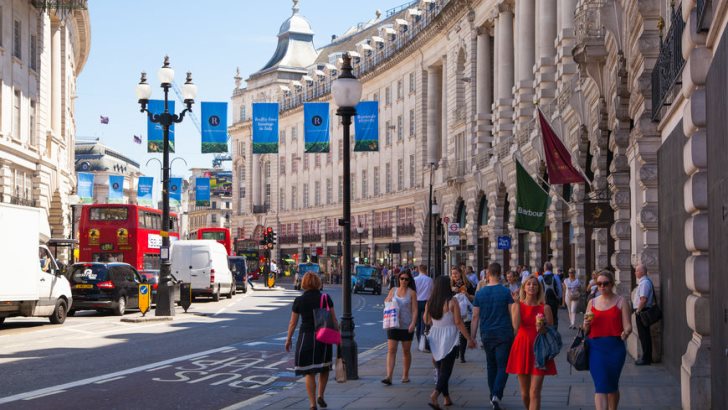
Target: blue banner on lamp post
265, 128
202, 191
85, 187
144, 191
155, 132
366, 126
316, 127
116, 189
214, 127
175, 192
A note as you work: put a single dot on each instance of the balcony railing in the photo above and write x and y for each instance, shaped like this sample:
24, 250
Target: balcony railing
405, 230
333, 236
458, 168
704, 9
669, 66
311, 237
260, 209
588, 19
18, 200
289, 239
383, 232
364, 233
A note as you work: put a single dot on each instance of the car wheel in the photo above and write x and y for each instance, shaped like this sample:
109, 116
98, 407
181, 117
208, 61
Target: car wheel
59, 313
216, 295
120, 307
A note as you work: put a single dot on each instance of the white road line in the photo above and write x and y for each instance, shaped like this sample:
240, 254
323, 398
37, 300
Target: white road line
159, 368
53, 389
281, 338
249, 402
109, 380
44, 395
369, 324
255, 343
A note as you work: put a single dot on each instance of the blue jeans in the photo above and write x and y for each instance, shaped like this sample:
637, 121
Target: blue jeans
496, 356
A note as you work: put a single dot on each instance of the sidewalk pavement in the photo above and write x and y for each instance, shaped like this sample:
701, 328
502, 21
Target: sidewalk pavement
644, 387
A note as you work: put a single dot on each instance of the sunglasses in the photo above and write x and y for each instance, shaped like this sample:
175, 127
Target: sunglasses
603, 284
405, 279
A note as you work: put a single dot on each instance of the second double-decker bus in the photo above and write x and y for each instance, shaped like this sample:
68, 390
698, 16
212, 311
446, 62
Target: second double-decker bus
123, 233
221, 235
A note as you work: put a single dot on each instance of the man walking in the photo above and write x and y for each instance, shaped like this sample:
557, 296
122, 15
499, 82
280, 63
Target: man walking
552, 290
423, 284
491, 311
643, 299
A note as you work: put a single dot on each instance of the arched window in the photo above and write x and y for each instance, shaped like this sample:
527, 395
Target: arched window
461, 215
483, 211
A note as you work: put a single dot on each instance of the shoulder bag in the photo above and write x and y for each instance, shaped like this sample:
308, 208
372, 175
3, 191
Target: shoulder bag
578, 353
653, 314
326, 329
340, 366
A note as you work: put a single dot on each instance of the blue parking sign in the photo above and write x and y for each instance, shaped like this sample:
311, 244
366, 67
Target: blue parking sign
504, 242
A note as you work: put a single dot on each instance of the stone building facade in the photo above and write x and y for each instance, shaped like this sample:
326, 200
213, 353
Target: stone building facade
42, 52
466, 78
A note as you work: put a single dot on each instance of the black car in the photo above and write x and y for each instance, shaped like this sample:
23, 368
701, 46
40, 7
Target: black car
240, 272
112, 287
366, 279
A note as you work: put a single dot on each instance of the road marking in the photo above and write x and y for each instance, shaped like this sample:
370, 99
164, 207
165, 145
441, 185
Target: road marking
66, 386
369, 324
46, 394
159, 368
109, 380
251, 401
281, 338
256, 343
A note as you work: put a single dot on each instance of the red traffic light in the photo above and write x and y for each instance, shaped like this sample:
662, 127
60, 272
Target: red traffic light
270, 230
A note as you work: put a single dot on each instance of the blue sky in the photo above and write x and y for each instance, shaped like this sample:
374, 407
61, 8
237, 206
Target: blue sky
209, 38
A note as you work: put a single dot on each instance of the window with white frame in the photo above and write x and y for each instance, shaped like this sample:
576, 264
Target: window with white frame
294, 163
376, 181
33, 116
317, 160
341, 188
388, 133
294, 197
294, 133
400, 128
412, 123
16, 114
412, 170
305, 161
400, 89
317, 193
387, 96
353, 186
282, 199
33, 63
400, 174
305, 195
282, 162
341, 152
364, 186
283, 137
267, 195
388, 177
329, 192
412, 82
17, 39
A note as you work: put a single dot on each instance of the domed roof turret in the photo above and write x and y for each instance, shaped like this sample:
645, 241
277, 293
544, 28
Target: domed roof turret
295, 43
296, 23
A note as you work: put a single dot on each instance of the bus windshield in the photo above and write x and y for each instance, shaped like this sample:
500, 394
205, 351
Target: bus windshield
218, 236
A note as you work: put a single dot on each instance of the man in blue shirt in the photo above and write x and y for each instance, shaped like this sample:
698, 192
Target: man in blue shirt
491, 311
552, 290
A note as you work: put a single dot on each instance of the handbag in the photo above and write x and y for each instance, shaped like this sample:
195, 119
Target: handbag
340, 366
653, 314
578, 353
326, 329
547, 346
391, 315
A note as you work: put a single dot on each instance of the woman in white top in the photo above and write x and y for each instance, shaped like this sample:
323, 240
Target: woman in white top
443, 313
573, 293
406, 296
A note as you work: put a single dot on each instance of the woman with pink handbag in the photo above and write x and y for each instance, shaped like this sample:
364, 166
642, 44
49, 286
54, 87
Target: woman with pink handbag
312, 355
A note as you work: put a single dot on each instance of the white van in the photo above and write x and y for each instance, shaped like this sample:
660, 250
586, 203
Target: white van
203, 263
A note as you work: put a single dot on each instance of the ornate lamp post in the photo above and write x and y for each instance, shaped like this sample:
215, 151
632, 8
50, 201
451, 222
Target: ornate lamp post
165, 301
360, 230
346, 91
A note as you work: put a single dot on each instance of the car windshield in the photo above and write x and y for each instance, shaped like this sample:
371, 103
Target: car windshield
304, 267
88, 273
150, 276
364, 271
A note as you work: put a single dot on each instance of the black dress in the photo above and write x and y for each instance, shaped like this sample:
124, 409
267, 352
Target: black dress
312, 356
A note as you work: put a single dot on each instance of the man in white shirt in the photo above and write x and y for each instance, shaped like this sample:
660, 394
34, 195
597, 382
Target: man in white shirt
643, 298
524, 273
423, 284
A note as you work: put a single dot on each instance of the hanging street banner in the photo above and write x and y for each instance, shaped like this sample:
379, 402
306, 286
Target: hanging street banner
202, 191
531, 202
144, 191
175, 192
366, 126
265, 128
116, 189
155, 132
558, 159
85, 187
316, 127
214, 127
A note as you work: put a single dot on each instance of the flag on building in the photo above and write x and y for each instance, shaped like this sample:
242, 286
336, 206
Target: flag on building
116, 189
531, 202
265, 128
138, 139
316, 127
104, 120
558, 159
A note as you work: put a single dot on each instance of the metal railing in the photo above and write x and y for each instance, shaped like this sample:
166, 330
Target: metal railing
405, 230
311, 237
289, 239
669, 65
17, 200
588, 20
382, 232
333, 235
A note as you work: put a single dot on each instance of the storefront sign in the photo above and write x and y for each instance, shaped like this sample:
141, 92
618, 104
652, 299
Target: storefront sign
598, 215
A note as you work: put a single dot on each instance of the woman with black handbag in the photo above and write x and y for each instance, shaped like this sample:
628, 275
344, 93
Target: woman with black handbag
312, 357
607, 323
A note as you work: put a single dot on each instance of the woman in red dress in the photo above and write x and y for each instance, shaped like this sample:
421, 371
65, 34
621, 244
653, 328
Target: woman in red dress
530, 317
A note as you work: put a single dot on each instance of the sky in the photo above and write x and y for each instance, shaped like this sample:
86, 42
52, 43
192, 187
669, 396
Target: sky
210, 38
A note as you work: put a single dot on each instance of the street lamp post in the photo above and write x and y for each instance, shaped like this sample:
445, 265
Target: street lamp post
165, 301
346, 91
73, 200
360, 230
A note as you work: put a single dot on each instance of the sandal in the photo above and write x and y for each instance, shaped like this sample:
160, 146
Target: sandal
405, 380
388, 382
321, 402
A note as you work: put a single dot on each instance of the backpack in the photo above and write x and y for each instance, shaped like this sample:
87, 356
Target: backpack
550, 290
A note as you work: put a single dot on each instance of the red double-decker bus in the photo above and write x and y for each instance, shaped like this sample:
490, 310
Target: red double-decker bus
221, 235
123, 233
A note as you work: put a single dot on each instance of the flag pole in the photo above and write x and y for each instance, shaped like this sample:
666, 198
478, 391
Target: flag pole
547, 192
575, 165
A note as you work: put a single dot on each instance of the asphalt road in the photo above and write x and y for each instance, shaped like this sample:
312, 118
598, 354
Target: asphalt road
216, 355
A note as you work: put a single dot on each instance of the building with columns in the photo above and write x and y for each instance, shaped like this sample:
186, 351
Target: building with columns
42, 52
459, 83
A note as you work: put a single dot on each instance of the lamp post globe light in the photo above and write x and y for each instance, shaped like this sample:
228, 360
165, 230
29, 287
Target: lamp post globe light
346, 91
165, 301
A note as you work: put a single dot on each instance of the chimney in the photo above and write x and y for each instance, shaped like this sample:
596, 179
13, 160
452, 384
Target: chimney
333, 38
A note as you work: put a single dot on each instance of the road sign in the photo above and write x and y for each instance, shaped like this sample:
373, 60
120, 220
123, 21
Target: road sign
453, 229
504, 242
446, 220
144, 298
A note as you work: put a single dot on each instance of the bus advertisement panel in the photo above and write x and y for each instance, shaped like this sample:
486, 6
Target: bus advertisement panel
123, 233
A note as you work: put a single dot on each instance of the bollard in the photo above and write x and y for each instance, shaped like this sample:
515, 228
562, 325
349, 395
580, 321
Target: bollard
185, 295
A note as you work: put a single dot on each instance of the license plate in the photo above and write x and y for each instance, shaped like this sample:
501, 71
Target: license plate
368, 288
83, 286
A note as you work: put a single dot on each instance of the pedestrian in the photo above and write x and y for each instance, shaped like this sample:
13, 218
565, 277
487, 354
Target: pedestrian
530, 316
552, 290
514, 284
464, 292
423, 284
406, 297
572, 296
607, 324
312, 356
443, 313
472, 276
524, 273
643, 299
491, 311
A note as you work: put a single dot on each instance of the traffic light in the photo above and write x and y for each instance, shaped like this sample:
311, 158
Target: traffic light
273, 238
